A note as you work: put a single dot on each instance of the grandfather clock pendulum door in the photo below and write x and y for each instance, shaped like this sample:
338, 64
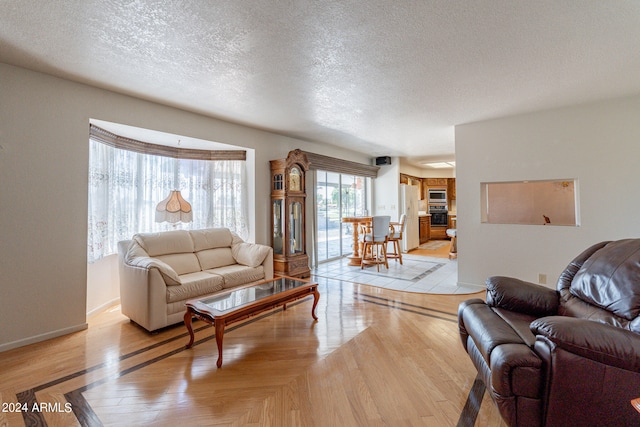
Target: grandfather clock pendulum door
288, 215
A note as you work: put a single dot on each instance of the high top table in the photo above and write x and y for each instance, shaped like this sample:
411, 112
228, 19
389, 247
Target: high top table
356, 258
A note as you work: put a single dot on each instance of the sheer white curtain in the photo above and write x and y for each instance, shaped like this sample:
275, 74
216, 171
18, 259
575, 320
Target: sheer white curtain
125, 187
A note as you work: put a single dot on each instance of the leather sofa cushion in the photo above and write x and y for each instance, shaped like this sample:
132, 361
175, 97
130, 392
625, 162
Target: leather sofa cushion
168, 242
214, 258
520, 323
211, 238
237, 274
609, 278
194, 285
488, 330
182, 263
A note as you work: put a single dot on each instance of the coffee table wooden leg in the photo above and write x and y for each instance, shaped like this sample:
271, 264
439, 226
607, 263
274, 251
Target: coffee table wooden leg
219, 335
187, 323
316, 297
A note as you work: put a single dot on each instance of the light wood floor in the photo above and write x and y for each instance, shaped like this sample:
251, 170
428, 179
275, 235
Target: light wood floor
374, 357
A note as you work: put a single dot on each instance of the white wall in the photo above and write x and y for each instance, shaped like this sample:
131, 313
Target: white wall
44, 128
386, 190
597, 143
103, 284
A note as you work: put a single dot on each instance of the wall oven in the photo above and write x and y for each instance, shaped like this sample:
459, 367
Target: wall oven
439, 215
437, 196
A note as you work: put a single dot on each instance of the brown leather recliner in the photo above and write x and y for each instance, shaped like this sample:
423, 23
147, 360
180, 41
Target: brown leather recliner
565, 357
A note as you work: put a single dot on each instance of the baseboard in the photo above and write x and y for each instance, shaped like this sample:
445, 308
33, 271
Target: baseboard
103, 307
480, 288
42, 337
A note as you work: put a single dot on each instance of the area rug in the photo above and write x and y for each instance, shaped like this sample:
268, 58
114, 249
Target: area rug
435, 245
418, 273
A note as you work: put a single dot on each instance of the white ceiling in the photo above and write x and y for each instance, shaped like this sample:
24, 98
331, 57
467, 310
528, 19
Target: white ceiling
385, 77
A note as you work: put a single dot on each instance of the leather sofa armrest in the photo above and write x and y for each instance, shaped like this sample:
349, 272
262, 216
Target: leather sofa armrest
132, 255
461, 325
596, 341
517, 295
169, 275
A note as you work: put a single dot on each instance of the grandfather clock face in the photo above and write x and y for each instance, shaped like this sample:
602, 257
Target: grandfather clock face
295, 179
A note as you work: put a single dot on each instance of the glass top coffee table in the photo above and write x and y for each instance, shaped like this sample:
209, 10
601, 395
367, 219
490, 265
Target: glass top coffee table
238, 304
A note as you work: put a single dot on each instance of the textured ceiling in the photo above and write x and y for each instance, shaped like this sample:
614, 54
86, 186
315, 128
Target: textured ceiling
385, 77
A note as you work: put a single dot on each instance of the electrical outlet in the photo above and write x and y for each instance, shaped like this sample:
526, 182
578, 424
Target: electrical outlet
542, 279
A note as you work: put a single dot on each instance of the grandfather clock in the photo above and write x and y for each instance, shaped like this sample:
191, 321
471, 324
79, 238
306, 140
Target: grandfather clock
288, 215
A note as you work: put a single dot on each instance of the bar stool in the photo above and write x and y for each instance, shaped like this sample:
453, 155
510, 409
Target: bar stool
374, 240
395, 236
453, 249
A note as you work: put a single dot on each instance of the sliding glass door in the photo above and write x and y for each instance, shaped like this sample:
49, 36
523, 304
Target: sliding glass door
337, 196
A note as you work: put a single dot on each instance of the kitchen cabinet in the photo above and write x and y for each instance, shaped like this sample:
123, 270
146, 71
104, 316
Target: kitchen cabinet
425, 228
451, 190
438, 232
436, 182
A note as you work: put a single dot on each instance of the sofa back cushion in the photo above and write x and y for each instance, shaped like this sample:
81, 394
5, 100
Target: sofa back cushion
214, 258
211, 238
175, 248
181, 263
610, 279
168, 242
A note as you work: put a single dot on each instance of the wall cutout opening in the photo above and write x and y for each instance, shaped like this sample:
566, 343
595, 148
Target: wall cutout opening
545, 202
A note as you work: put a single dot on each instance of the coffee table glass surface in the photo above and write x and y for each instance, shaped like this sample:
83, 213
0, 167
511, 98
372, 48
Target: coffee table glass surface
239, 297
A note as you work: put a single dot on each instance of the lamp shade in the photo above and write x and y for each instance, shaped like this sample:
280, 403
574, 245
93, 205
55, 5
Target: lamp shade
174, 209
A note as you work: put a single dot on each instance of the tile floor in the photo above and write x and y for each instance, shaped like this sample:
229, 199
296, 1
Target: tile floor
417, 274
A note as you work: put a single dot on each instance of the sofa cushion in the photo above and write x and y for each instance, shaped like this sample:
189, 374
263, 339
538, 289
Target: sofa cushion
211, 238
237, 274
194, 285
609, 278
181, 263
167, 242
214, 258
249, 254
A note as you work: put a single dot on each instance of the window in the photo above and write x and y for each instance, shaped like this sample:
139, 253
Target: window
337, 196
125, 187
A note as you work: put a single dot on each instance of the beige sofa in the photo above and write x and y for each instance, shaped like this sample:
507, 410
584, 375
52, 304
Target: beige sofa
159, 272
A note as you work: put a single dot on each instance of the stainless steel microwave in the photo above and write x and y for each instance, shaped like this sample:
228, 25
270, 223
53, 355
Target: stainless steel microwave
437, 196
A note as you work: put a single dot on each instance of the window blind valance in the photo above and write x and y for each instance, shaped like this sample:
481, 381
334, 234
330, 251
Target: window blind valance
136, 146
332, 164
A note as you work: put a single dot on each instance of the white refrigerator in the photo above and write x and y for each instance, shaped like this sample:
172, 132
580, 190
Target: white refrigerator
409, 206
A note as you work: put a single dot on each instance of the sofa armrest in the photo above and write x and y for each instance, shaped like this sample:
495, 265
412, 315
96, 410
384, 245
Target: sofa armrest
169, 275
462, 329
520, 296
596, 341
134, 256
143, 292
267, 265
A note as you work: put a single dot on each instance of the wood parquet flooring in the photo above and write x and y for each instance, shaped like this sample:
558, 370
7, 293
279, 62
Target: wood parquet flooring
374, 358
